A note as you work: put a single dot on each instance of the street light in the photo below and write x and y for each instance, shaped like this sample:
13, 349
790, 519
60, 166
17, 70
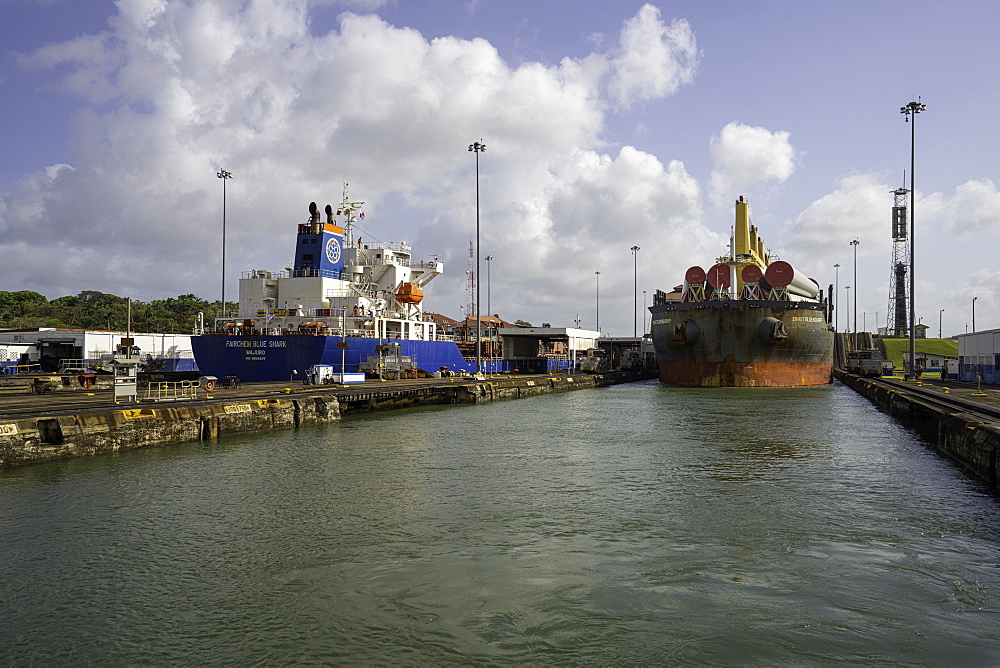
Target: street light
225, 176
598, 315
911, 110
489, 306
836, 305
478, 147
635, 315
848, 288
855, 244
939, 323
974, 314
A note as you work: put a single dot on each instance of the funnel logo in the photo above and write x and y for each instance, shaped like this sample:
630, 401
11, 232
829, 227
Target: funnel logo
333, 250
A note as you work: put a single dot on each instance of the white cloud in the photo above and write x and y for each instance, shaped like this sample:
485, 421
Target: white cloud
974, 210
654, 59
745, 156
174, 91
859, 208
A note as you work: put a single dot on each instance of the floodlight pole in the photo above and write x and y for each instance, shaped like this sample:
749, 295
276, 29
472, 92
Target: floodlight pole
855, 244
478, 147
635, 314
911, 110
225, 176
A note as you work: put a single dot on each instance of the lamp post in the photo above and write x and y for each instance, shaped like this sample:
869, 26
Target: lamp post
855, 243
597, 316
836, 305
848, 289
489, 305
477, 148
974, 314
225, 176
635, 315
911, 110
939, 323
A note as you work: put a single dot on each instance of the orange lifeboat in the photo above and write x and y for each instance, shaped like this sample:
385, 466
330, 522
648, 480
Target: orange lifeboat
409, 293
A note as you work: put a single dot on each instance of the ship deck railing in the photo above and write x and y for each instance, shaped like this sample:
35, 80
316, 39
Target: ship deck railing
322, 331
313, 272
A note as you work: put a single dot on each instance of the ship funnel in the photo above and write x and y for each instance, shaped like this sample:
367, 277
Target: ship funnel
314, 212
329, 214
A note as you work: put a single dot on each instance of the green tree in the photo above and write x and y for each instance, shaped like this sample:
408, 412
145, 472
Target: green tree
16, 304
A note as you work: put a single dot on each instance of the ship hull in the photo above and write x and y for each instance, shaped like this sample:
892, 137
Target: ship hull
742, 343
286, 357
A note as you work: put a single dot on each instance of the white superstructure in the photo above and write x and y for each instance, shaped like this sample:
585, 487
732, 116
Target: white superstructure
338, 286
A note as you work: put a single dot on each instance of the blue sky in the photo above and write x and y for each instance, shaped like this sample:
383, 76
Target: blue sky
607, 125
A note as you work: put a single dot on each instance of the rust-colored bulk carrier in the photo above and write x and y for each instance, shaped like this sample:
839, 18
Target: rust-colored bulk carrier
749, 321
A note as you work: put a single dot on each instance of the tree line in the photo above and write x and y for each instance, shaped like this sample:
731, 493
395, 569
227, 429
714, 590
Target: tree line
97, 310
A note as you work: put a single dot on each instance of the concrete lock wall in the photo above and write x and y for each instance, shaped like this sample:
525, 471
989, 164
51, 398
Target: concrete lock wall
38, 439
44, 438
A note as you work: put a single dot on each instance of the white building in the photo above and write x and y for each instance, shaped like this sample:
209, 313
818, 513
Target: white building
979, 356
43, 348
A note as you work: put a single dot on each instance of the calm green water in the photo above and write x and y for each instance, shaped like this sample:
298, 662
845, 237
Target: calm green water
633, 524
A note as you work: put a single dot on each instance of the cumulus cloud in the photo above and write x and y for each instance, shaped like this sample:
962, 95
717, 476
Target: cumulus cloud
172, 92
975, 209
654, 59
746, 155
858, 208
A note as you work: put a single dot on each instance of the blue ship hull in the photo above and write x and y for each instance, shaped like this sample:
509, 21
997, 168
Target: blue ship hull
275, 358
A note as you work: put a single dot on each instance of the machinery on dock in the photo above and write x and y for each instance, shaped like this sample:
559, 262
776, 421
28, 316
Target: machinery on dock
869, 363
595, 360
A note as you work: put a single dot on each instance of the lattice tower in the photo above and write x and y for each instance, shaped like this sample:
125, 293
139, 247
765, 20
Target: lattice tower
897, 322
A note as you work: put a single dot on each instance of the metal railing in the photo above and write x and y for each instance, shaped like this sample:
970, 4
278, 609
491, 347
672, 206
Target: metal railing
172, 390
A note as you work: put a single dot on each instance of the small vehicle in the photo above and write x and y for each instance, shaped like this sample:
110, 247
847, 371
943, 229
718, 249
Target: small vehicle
595, 360
631, 361
869, 363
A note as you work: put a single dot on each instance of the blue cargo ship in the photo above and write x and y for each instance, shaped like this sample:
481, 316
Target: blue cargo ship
342, 303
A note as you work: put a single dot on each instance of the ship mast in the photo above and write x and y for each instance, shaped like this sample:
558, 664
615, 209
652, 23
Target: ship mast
350, 210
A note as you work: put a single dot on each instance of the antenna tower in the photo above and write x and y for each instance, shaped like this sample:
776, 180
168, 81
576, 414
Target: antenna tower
897, 322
